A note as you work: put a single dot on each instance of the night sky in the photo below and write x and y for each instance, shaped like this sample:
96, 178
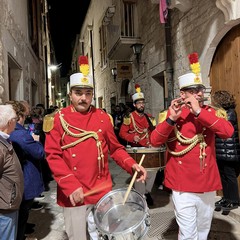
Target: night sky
66, 18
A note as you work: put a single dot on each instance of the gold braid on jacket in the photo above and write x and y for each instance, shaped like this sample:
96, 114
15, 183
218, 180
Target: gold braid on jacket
192, 142
83, 135
138, 130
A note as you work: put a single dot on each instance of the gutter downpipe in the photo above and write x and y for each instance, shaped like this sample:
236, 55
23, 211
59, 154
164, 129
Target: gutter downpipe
169, 64
91, 40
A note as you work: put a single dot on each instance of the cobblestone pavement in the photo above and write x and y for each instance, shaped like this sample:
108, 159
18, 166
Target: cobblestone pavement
50, 223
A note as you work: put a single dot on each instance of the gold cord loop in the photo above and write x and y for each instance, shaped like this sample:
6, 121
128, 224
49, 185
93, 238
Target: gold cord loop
139, 130
83, 135
192, 142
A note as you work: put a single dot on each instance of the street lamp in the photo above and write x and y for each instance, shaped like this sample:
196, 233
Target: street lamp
114, 73
137, 50
53, 73
54, 67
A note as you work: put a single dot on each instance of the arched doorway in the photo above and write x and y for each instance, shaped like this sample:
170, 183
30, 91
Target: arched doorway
225, 68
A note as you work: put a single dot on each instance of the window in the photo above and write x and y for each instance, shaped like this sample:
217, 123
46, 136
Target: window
33, 24
128, 13
103, 46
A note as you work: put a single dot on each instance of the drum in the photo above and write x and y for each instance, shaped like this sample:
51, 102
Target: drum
154, 157
117, 221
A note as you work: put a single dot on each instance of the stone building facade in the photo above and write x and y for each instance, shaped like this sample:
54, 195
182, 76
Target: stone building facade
192, 26
24, 50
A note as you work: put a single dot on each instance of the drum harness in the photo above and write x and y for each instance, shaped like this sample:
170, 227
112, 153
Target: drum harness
192, 142
83, 135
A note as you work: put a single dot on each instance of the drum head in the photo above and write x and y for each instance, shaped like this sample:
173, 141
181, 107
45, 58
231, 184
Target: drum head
112, 216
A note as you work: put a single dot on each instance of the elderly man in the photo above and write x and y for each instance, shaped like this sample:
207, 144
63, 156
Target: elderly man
11, 180
77, 146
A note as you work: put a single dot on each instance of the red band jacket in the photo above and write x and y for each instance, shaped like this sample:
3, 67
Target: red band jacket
79, 165
188, 172
141, 128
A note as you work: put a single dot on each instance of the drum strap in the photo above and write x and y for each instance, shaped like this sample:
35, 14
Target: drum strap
82, 136
151, 127
192, 142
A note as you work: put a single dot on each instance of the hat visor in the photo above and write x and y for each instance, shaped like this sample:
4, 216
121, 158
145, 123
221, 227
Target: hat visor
81, 86
193, 86
138, 99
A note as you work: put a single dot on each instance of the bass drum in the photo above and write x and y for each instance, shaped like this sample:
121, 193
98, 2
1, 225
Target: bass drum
154, 157
117, 221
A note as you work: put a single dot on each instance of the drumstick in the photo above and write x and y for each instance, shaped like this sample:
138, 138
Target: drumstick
97, 189
132, 181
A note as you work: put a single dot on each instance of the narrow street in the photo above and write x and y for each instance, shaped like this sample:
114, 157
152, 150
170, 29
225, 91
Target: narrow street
50, 223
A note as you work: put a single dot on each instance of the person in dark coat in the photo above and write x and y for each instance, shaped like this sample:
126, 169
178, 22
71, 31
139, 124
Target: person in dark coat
228, 154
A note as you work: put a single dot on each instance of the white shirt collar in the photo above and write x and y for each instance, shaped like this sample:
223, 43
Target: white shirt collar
4, 135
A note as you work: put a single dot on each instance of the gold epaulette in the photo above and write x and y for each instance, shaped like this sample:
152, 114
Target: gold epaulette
126, 120
48, 121
221, 113
153, 121
111, 118
162, 116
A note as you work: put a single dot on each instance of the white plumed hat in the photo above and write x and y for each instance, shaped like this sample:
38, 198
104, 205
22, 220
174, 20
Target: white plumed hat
82, 79
138, 95
194, 78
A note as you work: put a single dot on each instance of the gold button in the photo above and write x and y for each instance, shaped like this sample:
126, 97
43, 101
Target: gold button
100, 130
180, 162
75, 168
74, 155
204, 129
179, 143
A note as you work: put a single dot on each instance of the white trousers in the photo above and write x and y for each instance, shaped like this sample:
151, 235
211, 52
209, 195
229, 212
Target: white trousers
77, 219
193, 213
147, 186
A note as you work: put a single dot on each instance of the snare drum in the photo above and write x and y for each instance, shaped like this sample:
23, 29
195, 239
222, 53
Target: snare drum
154, 157
117, 221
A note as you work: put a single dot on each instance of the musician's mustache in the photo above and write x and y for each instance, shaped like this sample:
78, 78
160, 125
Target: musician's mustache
82, 102
181, 102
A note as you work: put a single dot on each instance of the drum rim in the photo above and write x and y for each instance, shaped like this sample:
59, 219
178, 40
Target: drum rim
145, 150
130, 228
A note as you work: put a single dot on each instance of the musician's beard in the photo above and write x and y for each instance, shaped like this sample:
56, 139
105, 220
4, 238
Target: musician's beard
141, 110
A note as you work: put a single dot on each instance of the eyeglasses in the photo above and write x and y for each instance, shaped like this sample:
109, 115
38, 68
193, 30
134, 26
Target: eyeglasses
140, 103
196, 90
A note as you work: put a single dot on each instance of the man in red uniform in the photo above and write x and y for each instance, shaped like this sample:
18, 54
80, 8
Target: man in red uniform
77, 147
136, 130
188, 129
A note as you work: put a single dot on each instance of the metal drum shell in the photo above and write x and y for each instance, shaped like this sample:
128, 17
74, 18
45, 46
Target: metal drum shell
154, 157
110, 204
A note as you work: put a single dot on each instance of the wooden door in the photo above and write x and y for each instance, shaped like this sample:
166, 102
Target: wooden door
225, 69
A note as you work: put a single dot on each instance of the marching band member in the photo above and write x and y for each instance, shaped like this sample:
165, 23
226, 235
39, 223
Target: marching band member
136, 130
77, 146
191, 170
